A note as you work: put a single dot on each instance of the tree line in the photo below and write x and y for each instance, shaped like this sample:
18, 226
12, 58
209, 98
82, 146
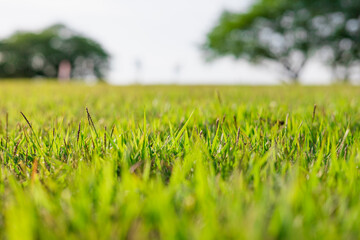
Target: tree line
286, 32
44, 53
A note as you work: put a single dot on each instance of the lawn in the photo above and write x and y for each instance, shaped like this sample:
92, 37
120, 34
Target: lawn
167, 162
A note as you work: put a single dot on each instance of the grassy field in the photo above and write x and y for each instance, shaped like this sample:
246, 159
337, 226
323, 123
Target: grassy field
154, 162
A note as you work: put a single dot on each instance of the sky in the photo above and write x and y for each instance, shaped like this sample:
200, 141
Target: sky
150, 41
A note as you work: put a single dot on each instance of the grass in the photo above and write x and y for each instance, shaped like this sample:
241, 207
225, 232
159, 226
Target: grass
179, 162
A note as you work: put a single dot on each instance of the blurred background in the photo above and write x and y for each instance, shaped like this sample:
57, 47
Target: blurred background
181, 41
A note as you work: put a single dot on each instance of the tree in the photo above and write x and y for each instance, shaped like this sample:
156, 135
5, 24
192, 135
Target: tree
40, 54
269, 31
288, 32
340, 39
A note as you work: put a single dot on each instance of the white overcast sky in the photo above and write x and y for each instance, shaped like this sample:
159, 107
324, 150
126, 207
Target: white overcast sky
164, 35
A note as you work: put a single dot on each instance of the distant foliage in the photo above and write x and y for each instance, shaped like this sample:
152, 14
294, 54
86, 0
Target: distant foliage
39, 54
290, 32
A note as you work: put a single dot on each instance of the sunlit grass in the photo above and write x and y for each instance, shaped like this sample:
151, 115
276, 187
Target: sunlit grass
179, 162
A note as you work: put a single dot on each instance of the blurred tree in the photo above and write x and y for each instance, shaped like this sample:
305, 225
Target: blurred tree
289, 32
339, 34
28, 55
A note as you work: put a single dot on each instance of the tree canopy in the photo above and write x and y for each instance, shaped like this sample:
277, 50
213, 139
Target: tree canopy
40, 54
290, 32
